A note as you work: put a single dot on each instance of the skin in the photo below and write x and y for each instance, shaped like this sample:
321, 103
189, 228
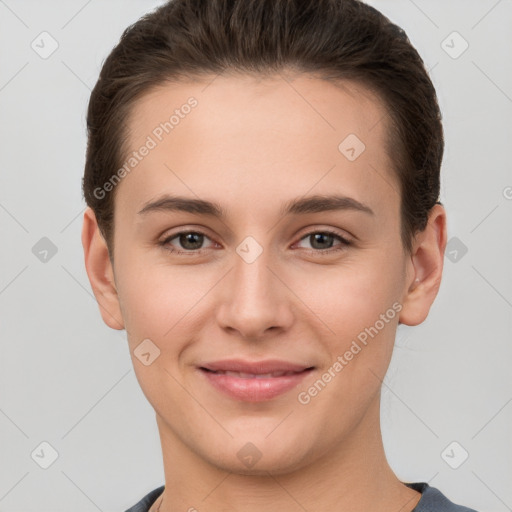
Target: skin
251, 145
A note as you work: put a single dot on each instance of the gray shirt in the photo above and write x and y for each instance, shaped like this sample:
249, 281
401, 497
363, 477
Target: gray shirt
431, 500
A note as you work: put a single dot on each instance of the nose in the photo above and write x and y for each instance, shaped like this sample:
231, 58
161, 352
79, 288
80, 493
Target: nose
255, 302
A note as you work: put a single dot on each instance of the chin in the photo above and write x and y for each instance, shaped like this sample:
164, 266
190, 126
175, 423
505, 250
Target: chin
251, 461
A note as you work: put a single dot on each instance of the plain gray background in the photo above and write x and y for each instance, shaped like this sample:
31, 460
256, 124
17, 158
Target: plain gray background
67, 379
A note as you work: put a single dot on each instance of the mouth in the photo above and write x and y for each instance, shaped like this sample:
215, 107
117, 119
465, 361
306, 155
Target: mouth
254, 382
244, 375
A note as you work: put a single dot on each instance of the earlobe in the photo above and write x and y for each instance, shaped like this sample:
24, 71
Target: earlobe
100, 272
425, 269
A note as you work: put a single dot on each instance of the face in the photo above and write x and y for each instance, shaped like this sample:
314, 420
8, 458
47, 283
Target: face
317, 288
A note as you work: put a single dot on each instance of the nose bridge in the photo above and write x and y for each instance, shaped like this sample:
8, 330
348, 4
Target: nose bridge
254, 299
253, 284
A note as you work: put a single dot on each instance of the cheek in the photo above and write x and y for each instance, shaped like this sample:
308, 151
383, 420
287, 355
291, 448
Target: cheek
356, 314
153, 306
157, 305
161, 301
160, 297
352, 295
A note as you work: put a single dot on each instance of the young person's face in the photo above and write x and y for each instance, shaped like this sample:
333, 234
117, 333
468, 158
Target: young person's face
255, 285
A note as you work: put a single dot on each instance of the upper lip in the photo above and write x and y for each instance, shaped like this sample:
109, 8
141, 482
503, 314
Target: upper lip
255, 367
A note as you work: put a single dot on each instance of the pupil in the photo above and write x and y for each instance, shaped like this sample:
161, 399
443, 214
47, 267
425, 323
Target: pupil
321, 237
189, 237
193, 240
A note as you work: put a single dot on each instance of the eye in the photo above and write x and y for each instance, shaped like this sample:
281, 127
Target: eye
322, 241
190, 241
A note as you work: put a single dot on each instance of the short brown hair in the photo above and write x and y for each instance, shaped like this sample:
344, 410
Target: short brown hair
333, 39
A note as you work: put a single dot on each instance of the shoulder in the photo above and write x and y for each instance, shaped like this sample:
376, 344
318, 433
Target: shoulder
433, 500
145, 503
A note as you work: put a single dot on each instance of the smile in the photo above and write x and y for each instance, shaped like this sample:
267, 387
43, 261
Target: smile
256, 385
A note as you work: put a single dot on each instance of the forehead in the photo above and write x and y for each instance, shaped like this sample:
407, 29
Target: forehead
277, 101
246, 134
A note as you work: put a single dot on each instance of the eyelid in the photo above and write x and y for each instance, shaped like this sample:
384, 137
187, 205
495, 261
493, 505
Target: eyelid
345, 241
346, 237
165, 241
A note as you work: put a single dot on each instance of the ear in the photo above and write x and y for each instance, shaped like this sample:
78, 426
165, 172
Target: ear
100, 271
424, 268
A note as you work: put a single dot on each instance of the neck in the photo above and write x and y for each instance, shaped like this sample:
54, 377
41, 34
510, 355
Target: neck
353, 476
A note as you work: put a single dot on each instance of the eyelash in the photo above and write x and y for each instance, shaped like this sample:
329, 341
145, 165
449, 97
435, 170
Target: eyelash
323, 252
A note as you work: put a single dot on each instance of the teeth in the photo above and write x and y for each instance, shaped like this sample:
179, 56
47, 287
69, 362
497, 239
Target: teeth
243, 375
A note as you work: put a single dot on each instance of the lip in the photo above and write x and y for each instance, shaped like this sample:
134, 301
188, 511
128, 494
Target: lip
254, 385
255, 367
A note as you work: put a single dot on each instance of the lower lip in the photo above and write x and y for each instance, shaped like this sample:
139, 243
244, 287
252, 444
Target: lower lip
254, 389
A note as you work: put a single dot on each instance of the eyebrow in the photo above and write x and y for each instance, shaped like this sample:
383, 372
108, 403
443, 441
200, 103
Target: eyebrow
301, 206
